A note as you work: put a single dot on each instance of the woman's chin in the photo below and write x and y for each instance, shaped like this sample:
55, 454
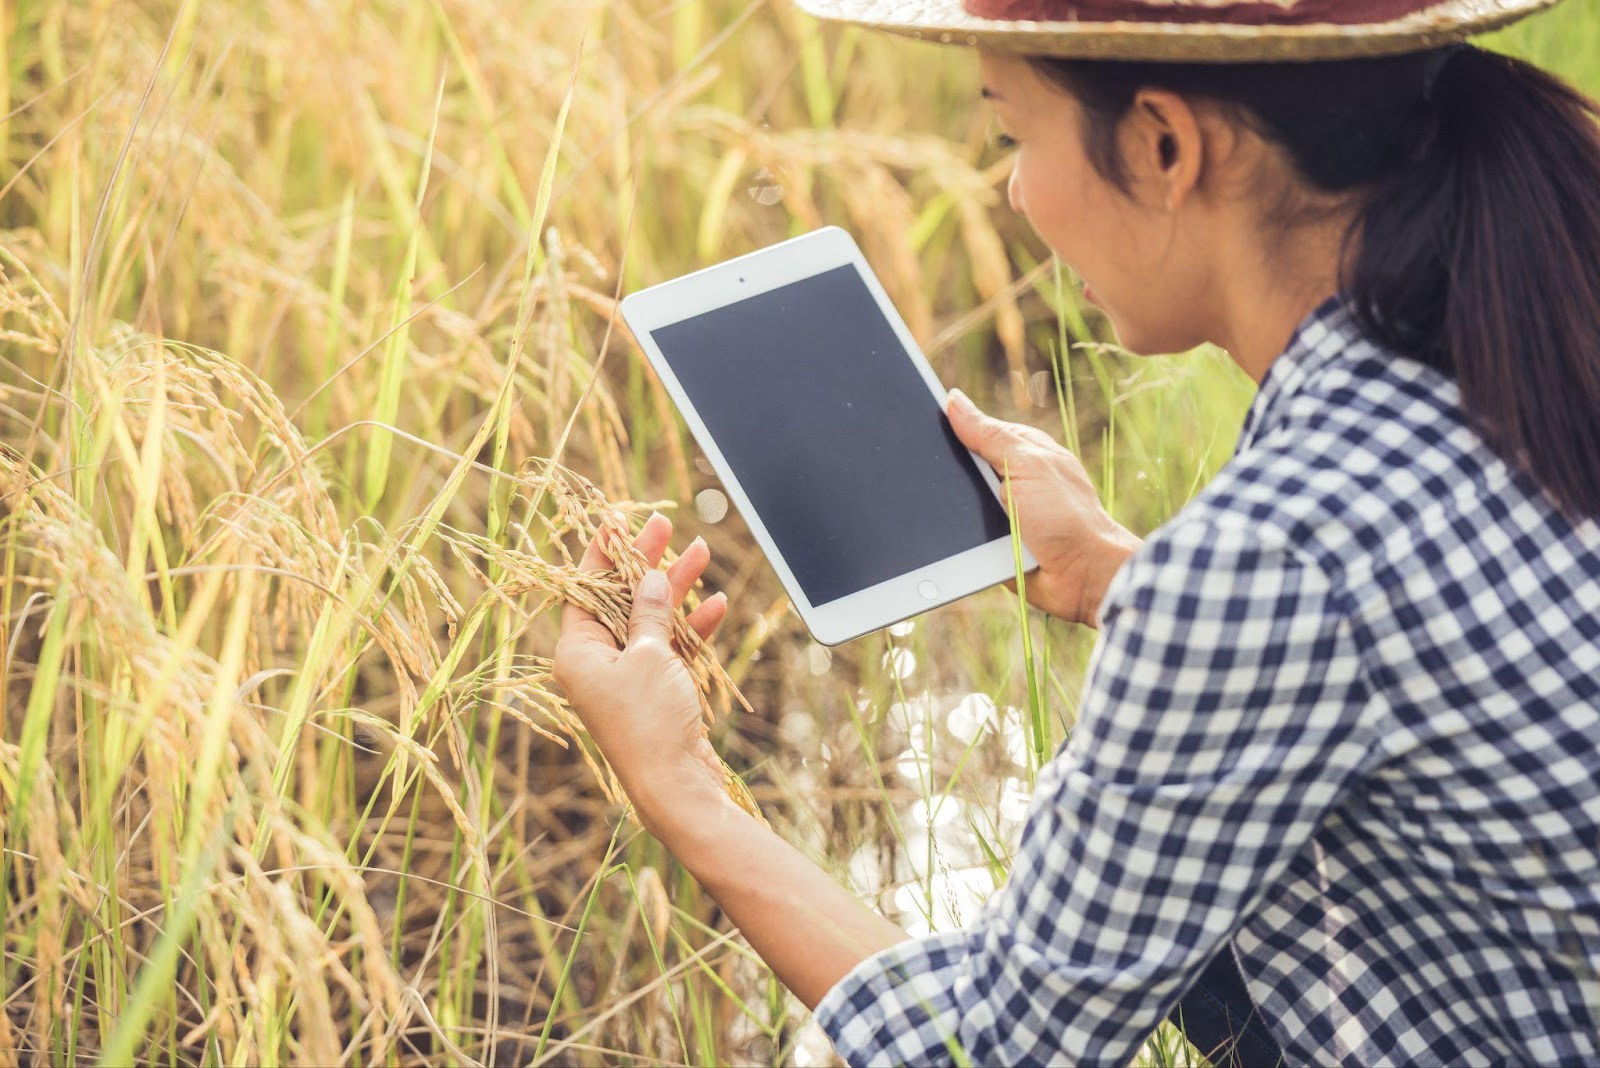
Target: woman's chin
1121, 336
1128, 338
1136, 342
1135, 346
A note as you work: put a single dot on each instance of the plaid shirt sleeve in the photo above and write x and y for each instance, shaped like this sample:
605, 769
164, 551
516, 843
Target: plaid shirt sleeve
1225, 713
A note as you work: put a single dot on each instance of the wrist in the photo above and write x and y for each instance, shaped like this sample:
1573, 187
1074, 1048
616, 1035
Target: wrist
682, 808
700, 834
1116, 546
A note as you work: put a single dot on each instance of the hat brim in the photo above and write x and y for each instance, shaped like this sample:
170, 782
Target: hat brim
945, 21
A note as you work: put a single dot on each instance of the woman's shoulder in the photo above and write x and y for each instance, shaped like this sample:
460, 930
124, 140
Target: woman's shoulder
1371, 470
1370, 507
1349, 433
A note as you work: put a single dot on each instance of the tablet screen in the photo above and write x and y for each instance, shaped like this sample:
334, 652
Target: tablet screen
833, 433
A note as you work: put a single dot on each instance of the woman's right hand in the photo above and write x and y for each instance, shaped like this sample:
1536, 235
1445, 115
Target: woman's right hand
1059, 516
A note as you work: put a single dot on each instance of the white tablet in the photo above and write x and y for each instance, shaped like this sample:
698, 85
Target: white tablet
825, 423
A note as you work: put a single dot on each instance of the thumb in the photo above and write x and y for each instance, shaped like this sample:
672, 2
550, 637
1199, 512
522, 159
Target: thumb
979, 432
651, 616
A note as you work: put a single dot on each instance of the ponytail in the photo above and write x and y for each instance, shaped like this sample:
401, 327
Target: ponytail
1478, 247
1482, 256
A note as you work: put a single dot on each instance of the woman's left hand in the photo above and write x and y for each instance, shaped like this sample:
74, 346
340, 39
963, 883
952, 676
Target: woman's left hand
640, 705
639, 701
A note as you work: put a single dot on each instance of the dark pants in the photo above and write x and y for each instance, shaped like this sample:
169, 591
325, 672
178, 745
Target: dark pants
1219, 1019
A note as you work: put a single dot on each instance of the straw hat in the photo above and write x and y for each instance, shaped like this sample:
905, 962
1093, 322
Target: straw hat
1219, 31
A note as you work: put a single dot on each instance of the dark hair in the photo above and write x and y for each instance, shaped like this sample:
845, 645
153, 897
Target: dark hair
1477, 245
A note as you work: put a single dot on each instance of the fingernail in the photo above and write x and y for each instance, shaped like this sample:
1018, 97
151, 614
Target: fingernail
653, 517
960, 401
698, 540
654, 587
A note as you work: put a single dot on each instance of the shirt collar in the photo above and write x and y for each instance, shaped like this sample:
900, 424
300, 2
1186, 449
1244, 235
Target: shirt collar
1321, 335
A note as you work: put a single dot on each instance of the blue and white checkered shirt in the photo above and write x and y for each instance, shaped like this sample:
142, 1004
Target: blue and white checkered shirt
1344, 718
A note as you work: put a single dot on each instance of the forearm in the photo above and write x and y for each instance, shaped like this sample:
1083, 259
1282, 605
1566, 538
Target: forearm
808, 928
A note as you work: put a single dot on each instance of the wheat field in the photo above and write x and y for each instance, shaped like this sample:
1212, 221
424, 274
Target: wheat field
311, 388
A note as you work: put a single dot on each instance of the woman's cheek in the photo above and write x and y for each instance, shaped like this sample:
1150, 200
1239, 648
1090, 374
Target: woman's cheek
1051, 219
1084, 236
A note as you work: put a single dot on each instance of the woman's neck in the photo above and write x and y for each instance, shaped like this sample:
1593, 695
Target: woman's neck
1265, 294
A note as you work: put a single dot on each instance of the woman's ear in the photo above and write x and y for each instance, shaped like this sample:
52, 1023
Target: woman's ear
1164, 146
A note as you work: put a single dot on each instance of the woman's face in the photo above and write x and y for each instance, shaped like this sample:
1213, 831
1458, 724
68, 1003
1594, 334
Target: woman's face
1138, 256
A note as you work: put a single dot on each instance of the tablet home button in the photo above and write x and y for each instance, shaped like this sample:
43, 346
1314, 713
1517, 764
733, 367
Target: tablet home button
928, 590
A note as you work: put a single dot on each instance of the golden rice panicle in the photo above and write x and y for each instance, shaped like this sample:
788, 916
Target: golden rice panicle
607, 594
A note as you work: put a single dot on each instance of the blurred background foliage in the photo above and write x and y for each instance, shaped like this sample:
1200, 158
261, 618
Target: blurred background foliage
298, 301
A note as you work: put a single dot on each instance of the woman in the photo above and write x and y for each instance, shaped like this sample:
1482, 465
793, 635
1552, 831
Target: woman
1333, 791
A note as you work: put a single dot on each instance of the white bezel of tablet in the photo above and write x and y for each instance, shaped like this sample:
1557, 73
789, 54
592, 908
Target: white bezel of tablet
821, 250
